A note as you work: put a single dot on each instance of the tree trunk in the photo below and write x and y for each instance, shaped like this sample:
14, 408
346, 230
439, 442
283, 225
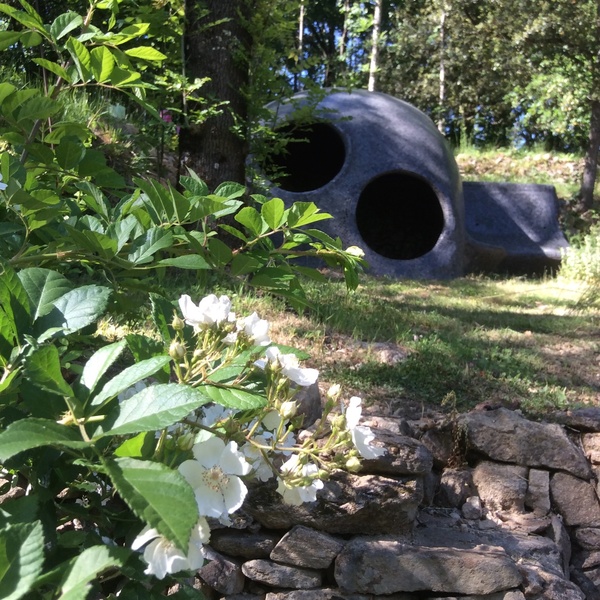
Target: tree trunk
375, 49
217, 46
590, 168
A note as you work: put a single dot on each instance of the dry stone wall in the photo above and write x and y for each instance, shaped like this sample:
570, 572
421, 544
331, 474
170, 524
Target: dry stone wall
484, 506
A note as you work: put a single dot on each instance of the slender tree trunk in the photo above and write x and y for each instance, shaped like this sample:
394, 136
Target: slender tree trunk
217, 46
590, 168
300, 43
375, 49
442, 78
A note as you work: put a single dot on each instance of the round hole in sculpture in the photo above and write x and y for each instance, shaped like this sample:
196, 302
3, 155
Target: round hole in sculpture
311, 158
399, 216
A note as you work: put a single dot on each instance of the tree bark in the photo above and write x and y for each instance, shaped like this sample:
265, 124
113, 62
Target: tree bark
590, 167
217, 45
374, 63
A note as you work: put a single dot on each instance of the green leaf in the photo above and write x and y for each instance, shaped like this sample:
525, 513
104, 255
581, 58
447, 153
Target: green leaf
69, 153
43, 369
14, 302
158, 495
75, 310
154, 408
102, 63
230, 189
193, 262
235, 398
8, 38
53, 68
95, 368
250, 218
64, 24
303, 213
273, 277
87, 566
38, 108
242, 264
146, 53
139, 446
26, 434
162, 311
81, 57
221, 253
146, 247
130, 376
273, 212
21, 558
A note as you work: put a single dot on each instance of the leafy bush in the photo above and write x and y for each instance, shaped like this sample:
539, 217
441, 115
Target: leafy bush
581, 261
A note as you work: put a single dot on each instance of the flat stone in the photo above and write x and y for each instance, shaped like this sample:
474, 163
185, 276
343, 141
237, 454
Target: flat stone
373, 566
588, 538
591, 447
305, 547
285, 576
456, 485
472, 509
244, 544
510, 595
539, 583
404, 456
501, 487
347, 504
506, 436
576, 500
222, 574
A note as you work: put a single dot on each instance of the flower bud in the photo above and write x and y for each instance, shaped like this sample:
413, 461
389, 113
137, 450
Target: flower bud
353, 464
176, 350
186, 441
339, 422
288, 409
334, 391
177, 323
355, 251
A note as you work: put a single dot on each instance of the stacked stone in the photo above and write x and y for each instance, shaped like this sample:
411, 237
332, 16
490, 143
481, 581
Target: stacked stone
518, 519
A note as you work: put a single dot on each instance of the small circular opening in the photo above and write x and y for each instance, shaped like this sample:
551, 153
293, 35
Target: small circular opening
399, 216
311, 157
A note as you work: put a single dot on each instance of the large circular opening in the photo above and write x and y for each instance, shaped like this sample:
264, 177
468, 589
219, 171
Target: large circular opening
399, 216
311, 156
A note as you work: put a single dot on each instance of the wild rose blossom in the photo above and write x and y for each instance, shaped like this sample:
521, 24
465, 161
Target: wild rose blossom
254, 328
362, 436
296, 495
164, 557
214, 475
211, 310
289, 365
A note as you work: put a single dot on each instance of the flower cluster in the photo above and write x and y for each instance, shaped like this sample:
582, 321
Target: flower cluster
221, 448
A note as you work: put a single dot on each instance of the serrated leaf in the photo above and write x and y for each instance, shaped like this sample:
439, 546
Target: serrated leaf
21, 558
146, 53
220, 252
273, 212
242, 264
139, 446
235, 398
69, 153
75, 310
95, 368
230, 190
14, 302
303, 213
43, 369
158, 495
64, 24
102, 63
128, 377
88, 565
26, 434
53, 68
154, 408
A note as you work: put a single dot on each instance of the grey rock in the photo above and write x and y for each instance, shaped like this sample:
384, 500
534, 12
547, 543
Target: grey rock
316, 594
506, 436
560, 536
456, 486
285, 576
586, 559
309, 403
510, 595
576, 500
439, 443
542, 585
501, 487
581, 419
242, 543
305, 547
588, 538
472, 508
591, 447
222, 574
537, 497
380, 566
347, 504
404, 456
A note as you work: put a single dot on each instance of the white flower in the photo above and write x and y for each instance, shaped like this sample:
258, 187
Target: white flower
362, 436
289, 367
212, 415
256, 329
2, 185
214, 477
210, 311
261, 469
164, 557
355, 251
297, 495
